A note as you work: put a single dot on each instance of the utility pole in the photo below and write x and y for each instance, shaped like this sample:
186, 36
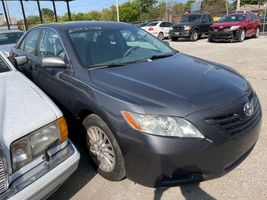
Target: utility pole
237, 5
226, 5
8, 14
118, 12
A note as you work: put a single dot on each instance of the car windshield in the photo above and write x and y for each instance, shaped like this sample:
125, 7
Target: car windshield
10, 37
191, 18
152, 24
3, 66
232, 18
116, 46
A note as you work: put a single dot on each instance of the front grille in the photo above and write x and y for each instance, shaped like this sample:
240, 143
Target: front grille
3, 176
234, 124
178, 28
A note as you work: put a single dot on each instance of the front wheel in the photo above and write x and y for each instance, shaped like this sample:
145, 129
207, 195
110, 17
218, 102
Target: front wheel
194, 35
160, 36
242, 36
174, 39
104, 149
210, 39
257, 33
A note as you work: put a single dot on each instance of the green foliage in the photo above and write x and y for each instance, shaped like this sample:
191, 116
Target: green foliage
130, 11
187, 5
135, 10
242, 2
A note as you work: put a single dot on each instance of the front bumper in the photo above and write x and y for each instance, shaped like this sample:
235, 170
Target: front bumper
44, 179
157, 161
179, 34
225, 35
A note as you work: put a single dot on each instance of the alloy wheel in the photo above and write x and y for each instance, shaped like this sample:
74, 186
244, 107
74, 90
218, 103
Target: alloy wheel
242, 37
257, 32
101, 148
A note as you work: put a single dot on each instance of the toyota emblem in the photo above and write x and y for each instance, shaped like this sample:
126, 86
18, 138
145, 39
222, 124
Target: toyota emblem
249, 108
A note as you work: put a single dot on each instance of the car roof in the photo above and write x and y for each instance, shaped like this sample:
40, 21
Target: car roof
82, 24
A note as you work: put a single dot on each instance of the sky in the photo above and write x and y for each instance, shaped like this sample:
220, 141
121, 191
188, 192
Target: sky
75, 6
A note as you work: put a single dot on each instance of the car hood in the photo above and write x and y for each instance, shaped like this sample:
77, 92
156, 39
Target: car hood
181, 24
226, 24
177, 85
6, 48
24, 108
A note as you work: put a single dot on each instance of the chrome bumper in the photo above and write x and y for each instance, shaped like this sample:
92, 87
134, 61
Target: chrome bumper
42, 180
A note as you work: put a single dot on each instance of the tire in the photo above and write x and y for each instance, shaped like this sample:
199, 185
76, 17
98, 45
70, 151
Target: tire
242, 36
160, 36
103, 146
194, 35
174, 39
210, 40
257, 33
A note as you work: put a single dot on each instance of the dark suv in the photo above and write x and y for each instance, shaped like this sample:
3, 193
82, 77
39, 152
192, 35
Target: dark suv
192, 27
155, 115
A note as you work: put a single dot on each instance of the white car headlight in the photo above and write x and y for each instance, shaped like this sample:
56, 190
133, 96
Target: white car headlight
187, 28
234, 28
26, 149
162, 125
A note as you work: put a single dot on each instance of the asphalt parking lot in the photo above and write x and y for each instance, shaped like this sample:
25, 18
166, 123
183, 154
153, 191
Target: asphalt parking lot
247, 181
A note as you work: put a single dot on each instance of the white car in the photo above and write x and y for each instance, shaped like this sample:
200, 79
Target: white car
8, 39
36, 156
159, 29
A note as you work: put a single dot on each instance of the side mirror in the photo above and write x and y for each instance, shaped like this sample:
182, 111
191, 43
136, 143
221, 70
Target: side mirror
53, 62
204, 21
250, 20
20, 60
166, 43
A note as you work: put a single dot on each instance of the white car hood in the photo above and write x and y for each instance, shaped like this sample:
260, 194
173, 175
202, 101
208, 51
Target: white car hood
24, 108
6, 48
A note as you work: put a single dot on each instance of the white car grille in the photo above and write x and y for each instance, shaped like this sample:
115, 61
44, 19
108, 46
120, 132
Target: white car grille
3, 177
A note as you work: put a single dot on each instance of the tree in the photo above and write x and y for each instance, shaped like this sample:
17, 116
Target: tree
214, 7
146, 5
47, 13
130, 11
242, 2
187, 5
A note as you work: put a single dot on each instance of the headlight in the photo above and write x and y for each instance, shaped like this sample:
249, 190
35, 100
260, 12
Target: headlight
162, 125
31, 146
187, 28
234, 28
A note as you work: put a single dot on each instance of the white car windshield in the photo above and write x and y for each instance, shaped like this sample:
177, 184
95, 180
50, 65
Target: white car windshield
116, 46
3, 66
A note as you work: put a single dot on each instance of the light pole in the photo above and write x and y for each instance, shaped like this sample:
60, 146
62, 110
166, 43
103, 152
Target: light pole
118, 12
264, 17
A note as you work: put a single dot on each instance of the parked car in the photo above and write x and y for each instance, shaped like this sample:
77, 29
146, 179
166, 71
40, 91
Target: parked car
235, 27
36, 156
159, 29
155, 115
192, 27
8, 39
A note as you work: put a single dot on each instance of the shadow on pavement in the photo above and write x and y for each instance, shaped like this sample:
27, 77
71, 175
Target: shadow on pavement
190, 192
85, 171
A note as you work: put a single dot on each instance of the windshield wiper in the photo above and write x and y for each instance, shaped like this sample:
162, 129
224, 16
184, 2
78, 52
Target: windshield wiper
154, 57
106, 65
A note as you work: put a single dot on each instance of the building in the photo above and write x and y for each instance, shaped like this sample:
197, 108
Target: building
253, 8
12, 20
